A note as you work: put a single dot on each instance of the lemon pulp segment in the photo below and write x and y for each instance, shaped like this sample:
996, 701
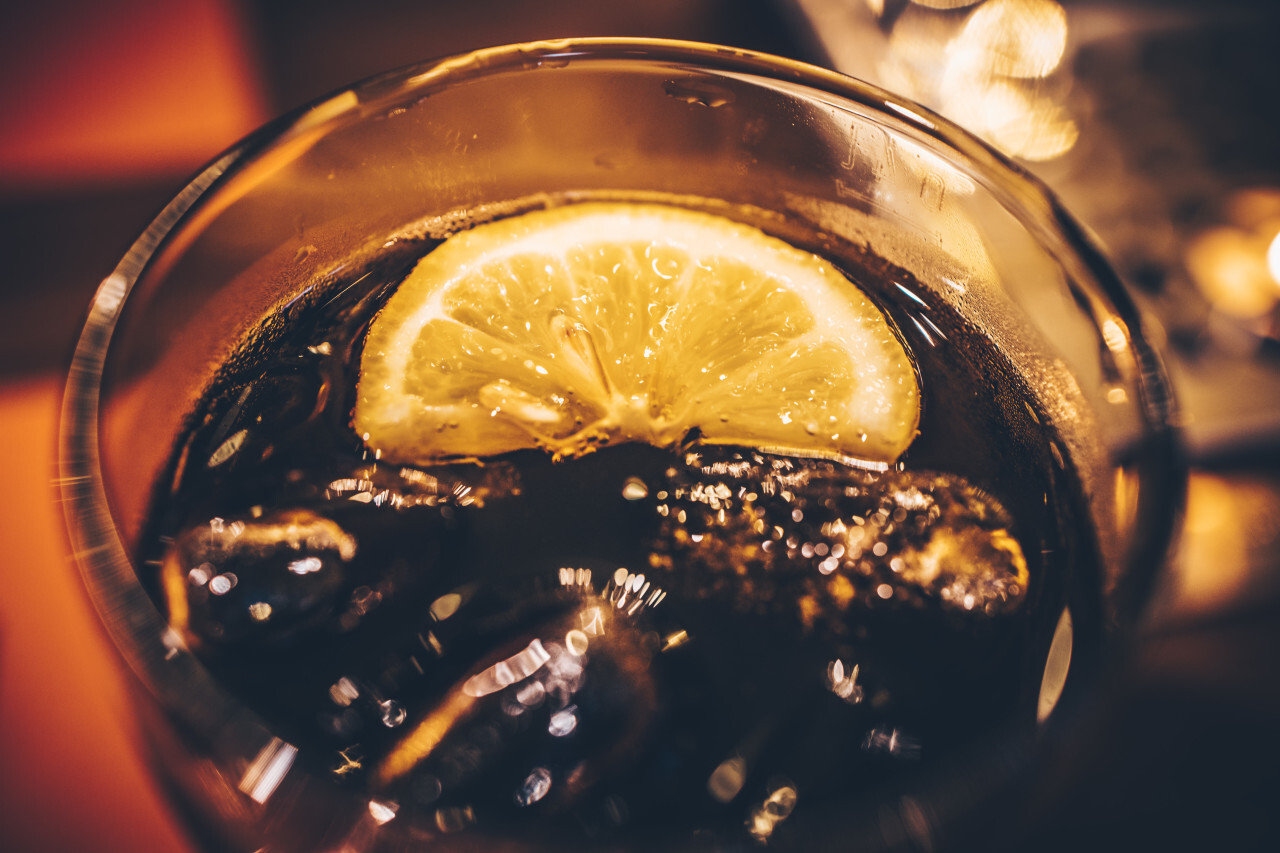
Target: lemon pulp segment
595, 323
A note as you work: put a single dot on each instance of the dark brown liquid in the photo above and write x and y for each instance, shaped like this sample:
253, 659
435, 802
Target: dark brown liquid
643, 646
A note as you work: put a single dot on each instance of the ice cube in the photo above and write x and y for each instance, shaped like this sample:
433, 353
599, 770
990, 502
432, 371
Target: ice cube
769, 532
235, 579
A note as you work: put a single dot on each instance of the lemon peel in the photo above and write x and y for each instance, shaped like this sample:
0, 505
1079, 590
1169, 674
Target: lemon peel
595, 323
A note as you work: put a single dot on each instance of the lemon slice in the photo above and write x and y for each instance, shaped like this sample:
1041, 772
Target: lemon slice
596, 323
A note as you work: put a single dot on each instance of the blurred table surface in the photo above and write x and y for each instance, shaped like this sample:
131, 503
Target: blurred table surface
108, 106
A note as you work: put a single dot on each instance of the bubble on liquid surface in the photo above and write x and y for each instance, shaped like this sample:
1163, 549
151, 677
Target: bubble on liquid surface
407, 488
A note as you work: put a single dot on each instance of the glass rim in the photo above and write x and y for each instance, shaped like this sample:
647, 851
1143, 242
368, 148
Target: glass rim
133, 621
1036, 206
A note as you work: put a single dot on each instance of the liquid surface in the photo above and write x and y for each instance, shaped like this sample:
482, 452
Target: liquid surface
646, 647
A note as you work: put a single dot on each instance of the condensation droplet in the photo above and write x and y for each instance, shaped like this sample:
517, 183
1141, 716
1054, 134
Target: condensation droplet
306, 565
381, 812
634, 489
616, 809
222, 584
393, 713
563, 722
576, 642
532, 694
890, 740
727, 779
344, 692
776, 808
445, 606
454, 818
427, 789
364, 599
842, 684
534, 788
228, 448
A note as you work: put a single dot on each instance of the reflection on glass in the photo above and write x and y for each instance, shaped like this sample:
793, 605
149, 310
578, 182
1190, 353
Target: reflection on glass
1056, 667
268, 769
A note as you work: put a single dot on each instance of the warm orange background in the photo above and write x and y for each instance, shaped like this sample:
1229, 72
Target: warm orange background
70, 778
94, 95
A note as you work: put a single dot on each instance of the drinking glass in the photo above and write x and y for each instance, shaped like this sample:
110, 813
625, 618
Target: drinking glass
272, 224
